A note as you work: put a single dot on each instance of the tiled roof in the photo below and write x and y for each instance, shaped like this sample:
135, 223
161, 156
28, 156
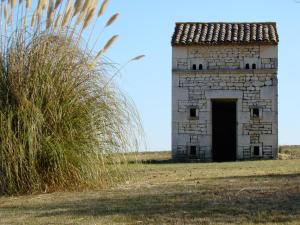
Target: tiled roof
224, 33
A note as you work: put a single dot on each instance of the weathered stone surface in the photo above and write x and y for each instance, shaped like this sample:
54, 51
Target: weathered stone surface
224, 76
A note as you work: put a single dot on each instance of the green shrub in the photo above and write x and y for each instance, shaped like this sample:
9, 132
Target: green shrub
62, 120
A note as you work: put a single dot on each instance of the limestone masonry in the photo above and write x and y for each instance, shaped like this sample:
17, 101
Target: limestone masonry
224, 91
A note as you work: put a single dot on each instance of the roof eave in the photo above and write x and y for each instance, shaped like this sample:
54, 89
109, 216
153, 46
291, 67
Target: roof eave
222, 44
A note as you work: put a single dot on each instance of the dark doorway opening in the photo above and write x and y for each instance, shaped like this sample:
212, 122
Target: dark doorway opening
224, 130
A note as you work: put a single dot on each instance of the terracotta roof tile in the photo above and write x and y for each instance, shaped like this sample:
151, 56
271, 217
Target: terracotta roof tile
224, 33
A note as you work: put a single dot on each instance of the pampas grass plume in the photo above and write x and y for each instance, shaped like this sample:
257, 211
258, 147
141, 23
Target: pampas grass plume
5, 12
110, 42
103, 7
106, 46
13, 3
137, 57
77, 7
85, 6
67, 17
44, 4
28, 4
57, 3
88, 18
80, 17
57, 21
50, 14
112, 19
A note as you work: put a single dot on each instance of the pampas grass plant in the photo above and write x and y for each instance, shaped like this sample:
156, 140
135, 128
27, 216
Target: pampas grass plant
63, 124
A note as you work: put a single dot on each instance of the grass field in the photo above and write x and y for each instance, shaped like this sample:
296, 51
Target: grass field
250, 192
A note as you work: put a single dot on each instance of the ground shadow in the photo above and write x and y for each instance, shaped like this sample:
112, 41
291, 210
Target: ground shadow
265, 176
227, 204
157, 161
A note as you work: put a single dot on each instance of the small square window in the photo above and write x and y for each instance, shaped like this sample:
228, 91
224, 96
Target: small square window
256, 151
255, 112
193, 112
193, 149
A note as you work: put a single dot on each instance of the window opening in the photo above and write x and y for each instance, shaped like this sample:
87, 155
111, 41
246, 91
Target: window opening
193, 112
256, 150
255, 112
193, 150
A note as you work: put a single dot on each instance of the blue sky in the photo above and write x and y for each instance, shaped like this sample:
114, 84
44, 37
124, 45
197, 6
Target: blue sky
145, 27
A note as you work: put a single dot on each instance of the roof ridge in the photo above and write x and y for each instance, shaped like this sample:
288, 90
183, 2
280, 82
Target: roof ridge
258, 22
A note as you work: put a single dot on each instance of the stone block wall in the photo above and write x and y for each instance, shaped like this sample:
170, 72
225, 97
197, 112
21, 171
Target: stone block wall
223, 75
225, 57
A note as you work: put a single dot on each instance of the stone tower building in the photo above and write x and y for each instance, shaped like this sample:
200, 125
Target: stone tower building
224, 91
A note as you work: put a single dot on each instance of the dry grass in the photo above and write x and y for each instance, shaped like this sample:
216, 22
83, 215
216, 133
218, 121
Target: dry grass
289, 152
250, 192
150, 157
